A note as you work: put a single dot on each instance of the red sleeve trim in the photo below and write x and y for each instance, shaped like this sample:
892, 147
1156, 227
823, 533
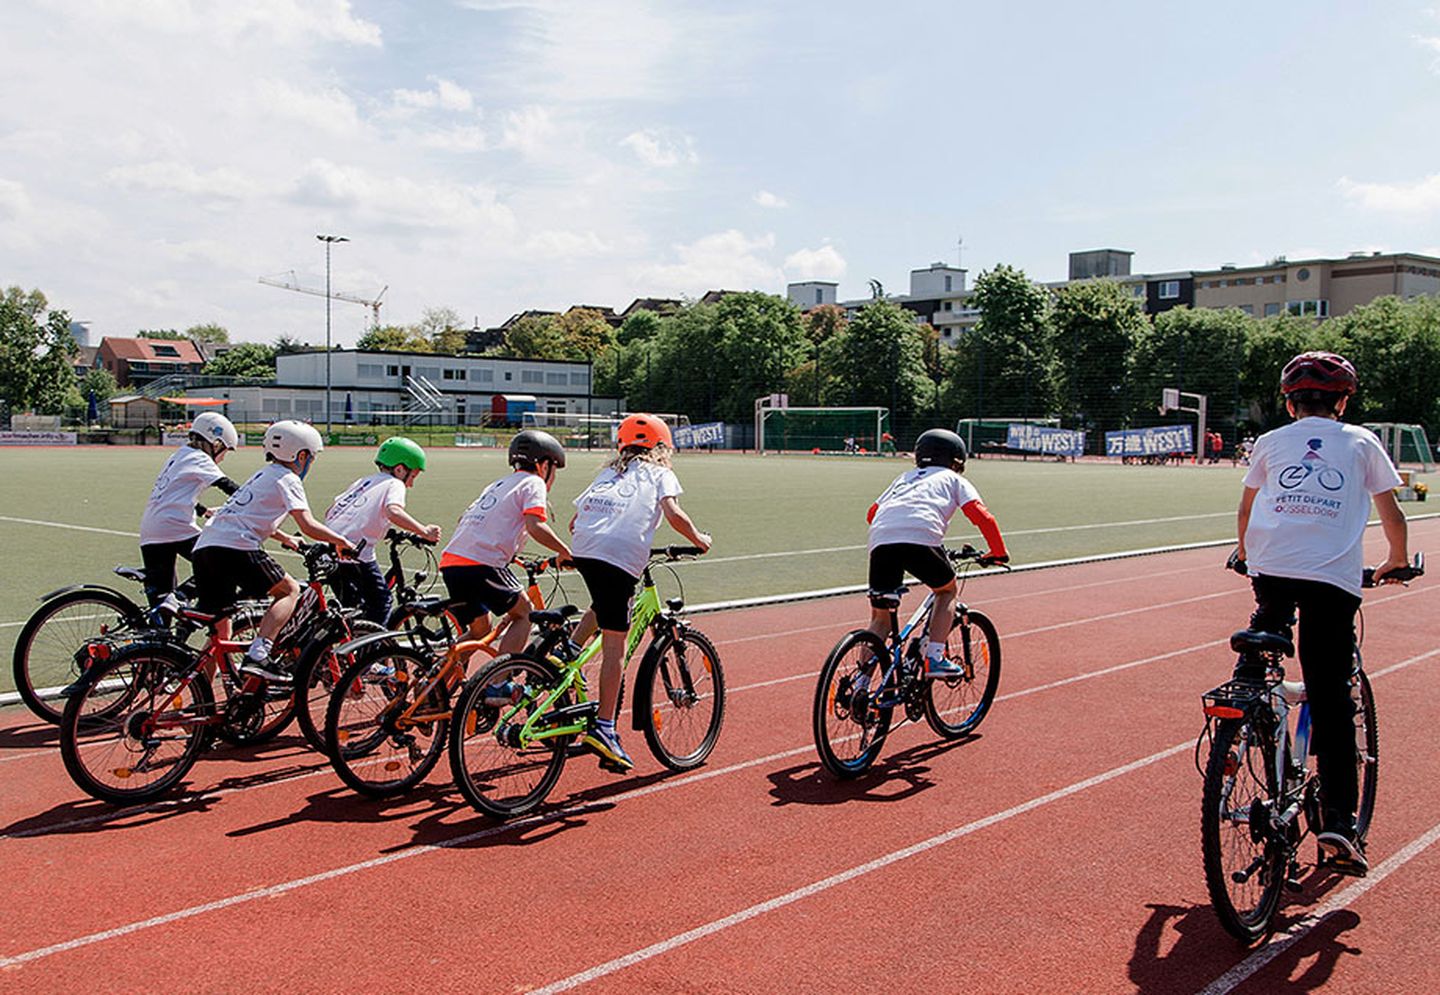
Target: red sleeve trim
981, 518
535, 513
870, 515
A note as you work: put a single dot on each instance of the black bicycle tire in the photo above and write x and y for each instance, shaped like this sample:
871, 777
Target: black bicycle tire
350, 764
934, 715
821, 709
20, 658
1369, 773
71, 726
1253, 927
646, 717
467, 703
305, 717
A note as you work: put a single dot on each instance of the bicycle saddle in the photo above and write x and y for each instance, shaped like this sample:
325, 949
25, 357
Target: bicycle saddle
554, 616
886, 599
137, 574
1256, 641
436, 606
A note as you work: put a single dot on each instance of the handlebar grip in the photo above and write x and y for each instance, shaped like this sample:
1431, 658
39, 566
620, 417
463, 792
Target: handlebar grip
674, 552
1402, 574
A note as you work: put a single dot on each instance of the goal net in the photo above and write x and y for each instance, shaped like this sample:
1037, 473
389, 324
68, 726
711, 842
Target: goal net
1405, 443
829, 430
981, 433
581, 431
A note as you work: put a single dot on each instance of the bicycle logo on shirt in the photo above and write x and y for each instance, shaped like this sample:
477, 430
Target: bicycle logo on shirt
1312, 465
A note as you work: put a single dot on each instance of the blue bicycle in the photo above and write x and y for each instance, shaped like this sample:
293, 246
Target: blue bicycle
866, 678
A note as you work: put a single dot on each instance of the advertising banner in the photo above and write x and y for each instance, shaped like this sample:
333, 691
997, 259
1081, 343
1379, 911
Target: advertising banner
1161, 440
1043, 439
691, 436
37, 438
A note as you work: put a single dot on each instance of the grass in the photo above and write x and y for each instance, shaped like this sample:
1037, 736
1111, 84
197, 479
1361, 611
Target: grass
812, 508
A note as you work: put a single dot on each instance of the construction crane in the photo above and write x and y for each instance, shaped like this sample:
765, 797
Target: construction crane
289, 281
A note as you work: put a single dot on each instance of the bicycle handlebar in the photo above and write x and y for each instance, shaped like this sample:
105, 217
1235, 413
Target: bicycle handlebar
396, 537
1401, 575
672, 553
969, 553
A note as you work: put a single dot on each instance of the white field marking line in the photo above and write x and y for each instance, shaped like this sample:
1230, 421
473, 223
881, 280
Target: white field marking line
295, 884
825, 884
1297, 930
66, 525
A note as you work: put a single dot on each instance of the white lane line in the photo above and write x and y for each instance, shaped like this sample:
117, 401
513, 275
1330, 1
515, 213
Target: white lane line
1297, 930
825, 884
66, 525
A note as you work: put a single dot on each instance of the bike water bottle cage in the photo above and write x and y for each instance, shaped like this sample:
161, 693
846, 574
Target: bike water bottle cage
1256, 641
886, 600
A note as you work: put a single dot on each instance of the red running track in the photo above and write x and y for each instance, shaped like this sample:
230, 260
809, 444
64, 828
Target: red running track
1056, 851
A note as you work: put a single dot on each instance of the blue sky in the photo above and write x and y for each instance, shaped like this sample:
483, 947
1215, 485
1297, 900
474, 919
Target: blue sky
156, 158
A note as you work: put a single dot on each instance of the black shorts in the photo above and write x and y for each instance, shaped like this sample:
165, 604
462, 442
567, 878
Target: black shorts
159, 559
482, 589
611, 589
221, 571
890, 562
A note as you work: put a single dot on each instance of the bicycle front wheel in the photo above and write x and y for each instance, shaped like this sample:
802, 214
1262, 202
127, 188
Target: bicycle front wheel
317, 675
50, 650
686, 699
380, 737
498, 772
849, 726
956, 707
1367, 743
1245, 860
137, 725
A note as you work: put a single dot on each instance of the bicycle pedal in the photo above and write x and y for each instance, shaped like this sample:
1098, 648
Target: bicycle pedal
612, 767
1293, 885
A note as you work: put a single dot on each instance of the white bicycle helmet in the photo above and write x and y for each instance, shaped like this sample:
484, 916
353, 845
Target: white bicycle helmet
287, 439
214, 427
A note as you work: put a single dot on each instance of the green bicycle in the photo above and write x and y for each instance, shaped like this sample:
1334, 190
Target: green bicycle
517, 717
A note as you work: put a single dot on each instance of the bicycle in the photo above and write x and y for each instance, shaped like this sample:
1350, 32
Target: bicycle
146, 705
865, 678
516, 718
388, 713
1261, 792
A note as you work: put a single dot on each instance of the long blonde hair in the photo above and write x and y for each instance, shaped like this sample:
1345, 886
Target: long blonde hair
659, 455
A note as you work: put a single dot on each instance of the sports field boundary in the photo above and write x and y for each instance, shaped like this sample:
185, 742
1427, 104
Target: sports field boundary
13, 697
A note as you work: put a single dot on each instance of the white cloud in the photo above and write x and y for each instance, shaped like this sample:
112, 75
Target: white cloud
1422, 196
401, 202
14, 201
446, 95
824, 263
529, 130
660, 150
551, 245
283, 21
767, 199
460, 138
328, 110
181, 177
726, 260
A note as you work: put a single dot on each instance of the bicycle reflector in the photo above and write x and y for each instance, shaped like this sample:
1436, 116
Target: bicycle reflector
98, 651
1224, 712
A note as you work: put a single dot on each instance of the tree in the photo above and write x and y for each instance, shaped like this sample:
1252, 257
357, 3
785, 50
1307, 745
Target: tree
37, 353
394, 338
1007, 355
642, 326
209, 333
760, 338
100, 383
248, 359
1269, 345
882, 361
287, 344
440, 326
534, 337
1199, 352
166, 334
1095, 325
1395, 346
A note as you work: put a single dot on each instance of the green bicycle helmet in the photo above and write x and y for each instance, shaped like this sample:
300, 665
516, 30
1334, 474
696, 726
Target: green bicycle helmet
400, 451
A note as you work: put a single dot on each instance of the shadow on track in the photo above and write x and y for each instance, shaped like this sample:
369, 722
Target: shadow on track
893, 778
34, 735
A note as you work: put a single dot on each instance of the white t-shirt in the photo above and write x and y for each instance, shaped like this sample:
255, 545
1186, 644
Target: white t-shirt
492, 530
170, 513
359, 512
256, 510
918, 505
1315, 478
617, 515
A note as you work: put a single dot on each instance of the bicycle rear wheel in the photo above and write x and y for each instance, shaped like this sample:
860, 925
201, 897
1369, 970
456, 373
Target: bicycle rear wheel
849, 727
372, 746
1245, 860
319, 672
137, 725
957, 706
686, 699
494, 770
50, 649
1367, 742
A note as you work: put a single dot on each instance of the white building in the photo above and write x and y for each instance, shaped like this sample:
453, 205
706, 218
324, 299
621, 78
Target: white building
811, 293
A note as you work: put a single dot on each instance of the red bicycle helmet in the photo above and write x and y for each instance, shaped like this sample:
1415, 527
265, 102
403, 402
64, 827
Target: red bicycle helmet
1323, 371
644, 431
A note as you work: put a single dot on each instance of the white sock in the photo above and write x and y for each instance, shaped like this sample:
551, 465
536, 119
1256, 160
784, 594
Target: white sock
259, 650
934, 651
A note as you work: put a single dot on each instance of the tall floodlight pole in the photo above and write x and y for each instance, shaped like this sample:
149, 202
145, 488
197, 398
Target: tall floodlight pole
329, 240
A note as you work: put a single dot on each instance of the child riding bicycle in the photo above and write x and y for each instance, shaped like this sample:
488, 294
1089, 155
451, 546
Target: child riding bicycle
167, 528
475, 565
614, 525
1301, 525
907, 525
228, 555
366, 510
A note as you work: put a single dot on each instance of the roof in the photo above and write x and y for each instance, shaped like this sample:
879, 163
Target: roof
153, 350
131, 398
661, 305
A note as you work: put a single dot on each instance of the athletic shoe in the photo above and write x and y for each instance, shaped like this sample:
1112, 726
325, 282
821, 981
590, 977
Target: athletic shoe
503, 694
943, 669
612, 755
266, 670
1345, 849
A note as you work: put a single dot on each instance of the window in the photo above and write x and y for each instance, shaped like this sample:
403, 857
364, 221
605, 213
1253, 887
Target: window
508, 376
947, 283
1271, 310
947, 306
1169, 290
819, 296
555, 407
1309, 309
454, 374
1302, 274
369, 371
392, 371
167, 350
556, 379
485, 376
1248, 308
532, 376
578, 378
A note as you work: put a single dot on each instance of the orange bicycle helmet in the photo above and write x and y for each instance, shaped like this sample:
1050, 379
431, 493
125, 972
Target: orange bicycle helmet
644, 431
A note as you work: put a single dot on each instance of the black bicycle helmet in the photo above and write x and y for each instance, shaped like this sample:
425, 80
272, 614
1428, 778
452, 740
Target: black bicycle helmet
533, 445
939, 447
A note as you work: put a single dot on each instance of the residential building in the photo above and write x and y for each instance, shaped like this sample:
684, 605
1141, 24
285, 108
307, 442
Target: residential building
809, 294
136, 362
1321, 288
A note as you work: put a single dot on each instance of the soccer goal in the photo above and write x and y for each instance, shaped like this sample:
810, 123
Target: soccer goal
476, 440
582, 431
828, 430
1405, 443
982, 433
